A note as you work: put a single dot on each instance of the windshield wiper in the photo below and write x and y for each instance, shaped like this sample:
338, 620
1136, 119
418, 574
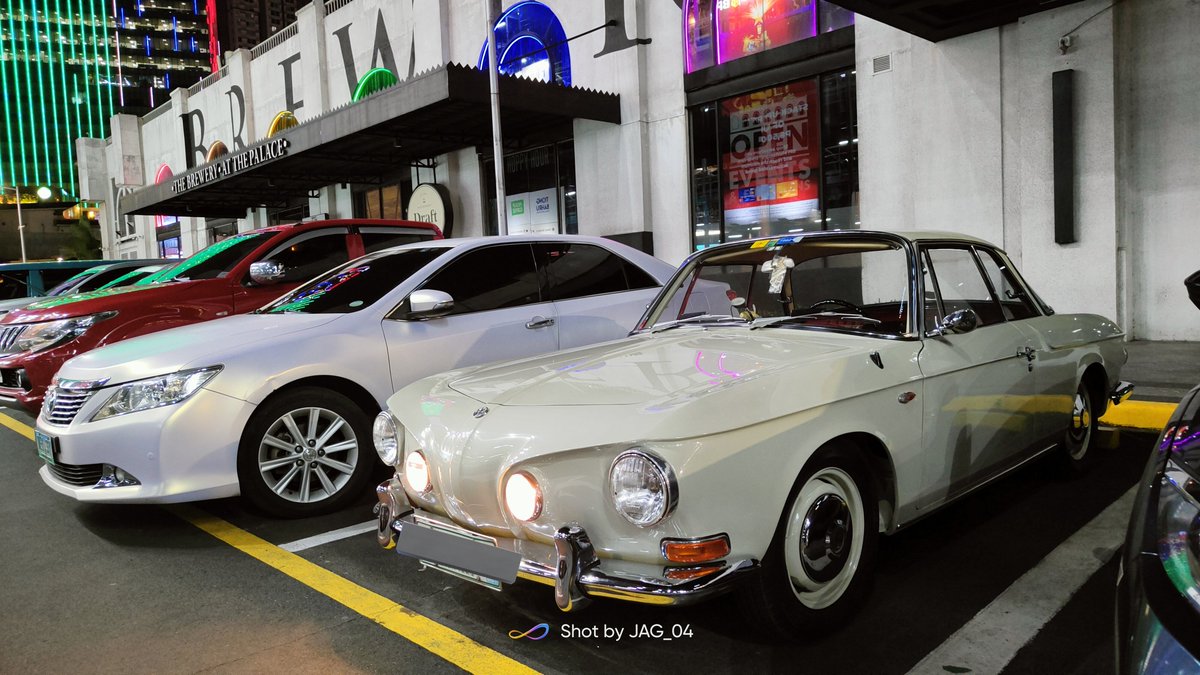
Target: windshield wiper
777, 320
701, 319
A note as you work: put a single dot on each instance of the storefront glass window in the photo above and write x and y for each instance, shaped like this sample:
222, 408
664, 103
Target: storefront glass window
540, 187
775, 161
720, 31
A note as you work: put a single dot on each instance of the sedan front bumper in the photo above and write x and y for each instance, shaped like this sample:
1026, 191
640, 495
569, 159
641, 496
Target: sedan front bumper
570, 565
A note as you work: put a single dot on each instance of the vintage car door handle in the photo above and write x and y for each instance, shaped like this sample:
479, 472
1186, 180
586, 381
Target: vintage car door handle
1028, 353
539, 322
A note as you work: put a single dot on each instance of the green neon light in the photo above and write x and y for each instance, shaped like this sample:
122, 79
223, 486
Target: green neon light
21, 118
64, 112
108, 89
97, 40
87, 14
374, 80
74, 75
8, 123
41, 90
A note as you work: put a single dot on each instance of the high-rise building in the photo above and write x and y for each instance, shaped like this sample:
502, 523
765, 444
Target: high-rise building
242, 24
56, 76
159, 45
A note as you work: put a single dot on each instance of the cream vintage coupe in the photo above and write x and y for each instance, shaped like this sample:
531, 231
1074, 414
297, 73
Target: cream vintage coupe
856, 382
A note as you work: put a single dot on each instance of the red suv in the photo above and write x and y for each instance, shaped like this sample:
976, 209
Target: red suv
233, 276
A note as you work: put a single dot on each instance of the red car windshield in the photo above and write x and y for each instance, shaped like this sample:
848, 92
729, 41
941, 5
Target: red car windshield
212, 262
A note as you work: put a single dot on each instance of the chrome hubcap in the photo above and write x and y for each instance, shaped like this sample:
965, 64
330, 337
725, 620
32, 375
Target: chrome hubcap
824, 538
1081, 426
308, 455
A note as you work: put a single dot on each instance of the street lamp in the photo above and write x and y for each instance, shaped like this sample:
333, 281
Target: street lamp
43, 192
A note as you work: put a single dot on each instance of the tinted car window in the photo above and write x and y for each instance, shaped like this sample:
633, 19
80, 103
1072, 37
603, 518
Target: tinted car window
70, 283
489, 278
357, 284
309, 254
212, 262
571, 270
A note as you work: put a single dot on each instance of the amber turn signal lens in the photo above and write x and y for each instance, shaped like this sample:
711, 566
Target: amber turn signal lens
696, 550
687, 573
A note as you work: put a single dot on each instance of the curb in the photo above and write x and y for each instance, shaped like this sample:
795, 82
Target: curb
1139, 415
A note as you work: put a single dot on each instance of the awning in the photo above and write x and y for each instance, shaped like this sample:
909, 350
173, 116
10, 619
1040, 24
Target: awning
937, 20
445, 109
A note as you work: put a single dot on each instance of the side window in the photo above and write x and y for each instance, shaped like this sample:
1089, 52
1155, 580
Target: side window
961, 286
1013, 301
377, 238
570, 270
309, 254
489, 278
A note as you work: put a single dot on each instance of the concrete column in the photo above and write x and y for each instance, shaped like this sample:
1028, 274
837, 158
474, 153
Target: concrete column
238, 63
310, 26
334, 200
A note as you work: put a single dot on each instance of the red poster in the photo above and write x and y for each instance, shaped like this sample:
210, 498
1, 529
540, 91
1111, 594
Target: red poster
749, 26
772, 156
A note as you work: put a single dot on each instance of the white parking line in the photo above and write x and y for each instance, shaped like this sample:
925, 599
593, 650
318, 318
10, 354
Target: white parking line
992, 638
335, 535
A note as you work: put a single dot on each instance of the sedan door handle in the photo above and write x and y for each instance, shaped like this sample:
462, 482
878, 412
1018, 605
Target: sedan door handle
539, 322
1028, 353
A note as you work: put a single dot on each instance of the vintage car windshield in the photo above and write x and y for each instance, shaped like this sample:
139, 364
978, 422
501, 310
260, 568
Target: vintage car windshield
855, 284
357, 284
212, 262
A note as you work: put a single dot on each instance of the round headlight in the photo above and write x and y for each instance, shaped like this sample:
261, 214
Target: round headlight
387, 441
642, 488
523, 496
416, 471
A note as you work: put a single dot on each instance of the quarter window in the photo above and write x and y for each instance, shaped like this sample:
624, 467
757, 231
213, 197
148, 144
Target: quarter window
1014, 302
489, 278
310, 254
579, 270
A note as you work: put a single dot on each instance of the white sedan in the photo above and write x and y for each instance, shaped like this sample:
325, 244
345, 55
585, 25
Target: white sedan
277, 405
853, 383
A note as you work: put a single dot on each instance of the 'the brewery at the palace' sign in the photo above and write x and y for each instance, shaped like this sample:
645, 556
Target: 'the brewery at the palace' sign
231, 164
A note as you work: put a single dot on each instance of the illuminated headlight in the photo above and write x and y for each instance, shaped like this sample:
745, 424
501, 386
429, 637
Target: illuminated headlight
155, 392
523, 496
643, 488
38, 336
416, 472
387, 439
1179, 532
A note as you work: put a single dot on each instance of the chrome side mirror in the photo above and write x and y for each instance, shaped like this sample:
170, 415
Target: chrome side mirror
267, 272
429, 304
962, 321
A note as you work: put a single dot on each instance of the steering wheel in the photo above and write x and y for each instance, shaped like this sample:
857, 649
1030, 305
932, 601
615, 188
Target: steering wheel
837, 301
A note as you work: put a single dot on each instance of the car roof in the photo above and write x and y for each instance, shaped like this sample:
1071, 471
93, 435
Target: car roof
458, 242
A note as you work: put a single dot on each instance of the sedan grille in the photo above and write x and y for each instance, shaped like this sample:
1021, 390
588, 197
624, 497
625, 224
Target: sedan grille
79, 475
61, 405
9, 335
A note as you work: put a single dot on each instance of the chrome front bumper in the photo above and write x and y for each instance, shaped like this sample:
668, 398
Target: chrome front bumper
1121, 393
577, 576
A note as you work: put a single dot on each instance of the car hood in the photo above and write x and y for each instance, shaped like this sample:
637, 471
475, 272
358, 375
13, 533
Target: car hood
656, 369
203, 344
83, 304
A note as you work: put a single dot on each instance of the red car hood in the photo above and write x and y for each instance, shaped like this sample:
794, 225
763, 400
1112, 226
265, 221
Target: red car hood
83, 304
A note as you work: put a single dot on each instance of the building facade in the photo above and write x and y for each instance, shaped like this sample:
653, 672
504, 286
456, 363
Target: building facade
731, 120
158, 45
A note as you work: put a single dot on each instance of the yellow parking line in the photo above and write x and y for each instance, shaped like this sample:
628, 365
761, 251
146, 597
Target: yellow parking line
1147, 415
452, 646
19, 427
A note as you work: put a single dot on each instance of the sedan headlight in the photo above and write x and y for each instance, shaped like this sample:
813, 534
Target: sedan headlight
44, 335
643, 487
387, 439
155, 392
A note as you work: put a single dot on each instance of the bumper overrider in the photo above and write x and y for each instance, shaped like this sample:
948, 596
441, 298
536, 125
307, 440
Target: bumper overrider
572, 566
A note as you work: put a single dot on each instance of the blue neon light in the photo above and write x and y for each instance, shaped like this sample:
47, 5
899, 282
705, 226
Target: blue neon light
147, 45
175, 30
530, 41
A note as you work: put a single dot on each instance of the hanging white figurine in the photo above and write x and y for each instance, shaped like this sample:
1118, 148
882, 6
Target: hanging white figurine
778, 267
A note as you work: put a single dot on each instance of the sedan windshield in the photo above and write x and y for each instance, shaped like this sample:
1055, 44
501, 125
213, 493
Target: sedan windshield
847, 283
357, 284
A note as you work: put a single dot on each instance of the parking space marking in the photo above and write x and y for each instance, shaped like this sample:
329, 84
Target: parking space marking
17, 426
990, 640
449, 644
1148, 415
335, 535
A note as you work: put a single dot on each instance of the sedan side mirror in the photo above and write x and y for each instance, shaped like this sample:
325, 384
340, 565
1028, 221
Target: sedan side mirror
429, 304
267, 272
962, 321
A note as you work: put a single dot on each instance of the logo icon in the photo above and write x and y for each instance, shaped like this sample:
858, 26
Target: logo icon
536, 633
481, 412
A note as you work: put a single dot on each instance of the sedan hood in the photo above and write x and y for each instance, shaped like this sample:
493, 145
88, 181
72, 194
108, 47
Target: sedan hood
655, 368
82, 304
198, 345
